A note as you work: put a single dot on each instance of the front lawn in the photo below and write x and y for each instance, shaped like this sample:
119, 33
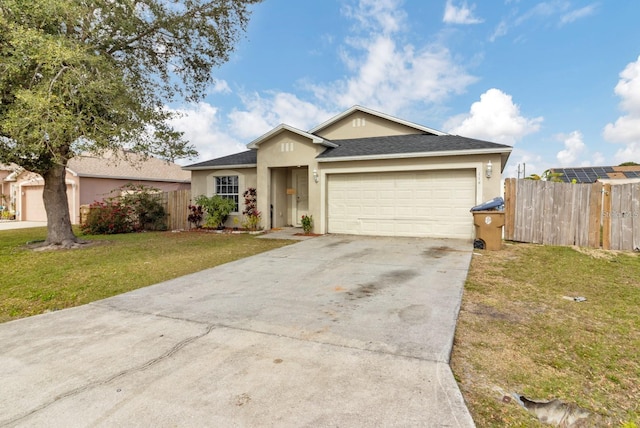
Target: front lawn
520, 332
33, 282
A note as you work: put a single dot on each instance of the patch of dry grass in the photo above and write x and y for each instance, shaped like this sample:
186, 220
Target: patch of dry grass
32, 282
518, 333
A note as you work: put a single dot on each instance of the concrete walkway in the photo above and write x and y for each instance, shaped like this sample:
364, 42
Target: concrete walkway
13, 224
331, 331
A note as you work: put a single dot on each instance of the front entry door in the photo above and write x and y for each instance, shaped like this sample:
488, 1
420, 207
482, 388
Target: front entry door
300, 178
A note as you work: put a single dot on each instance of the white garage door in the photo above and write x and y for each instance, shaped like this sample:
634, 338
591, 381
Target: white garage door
33, 205
410, 203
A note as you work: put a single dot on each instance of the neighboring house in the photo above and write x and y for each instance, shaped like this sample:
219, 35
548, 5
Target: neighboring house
604, 174
93, 178
361, 172
8, 190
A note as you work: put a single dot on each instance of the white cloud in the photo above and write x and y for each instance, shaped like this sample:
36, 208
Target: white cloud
574, 146
495, 118
576, 14
542, 13
523, 163
220, 87
501, 30
597, 159
626, 128
377, 15
459, 15
387, 74
630, 153
628, 88
263, 114
201, 127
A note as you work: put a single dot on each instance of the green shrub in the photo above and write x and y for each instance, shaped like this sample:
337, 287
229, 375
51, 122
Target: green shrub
217, 209
138, 208
146, 206
307, 223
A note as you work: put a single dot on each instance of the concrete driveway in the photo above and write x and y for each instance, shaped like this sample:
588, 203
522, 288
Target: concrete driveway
332, 331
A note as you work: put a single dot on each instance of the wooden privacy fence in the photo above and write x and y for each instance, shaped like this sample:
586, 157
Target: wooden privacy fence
176, 204
588, 215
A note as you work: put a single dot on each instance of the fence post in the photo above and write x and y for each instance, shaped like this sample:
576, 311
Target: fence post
635, 213
509, 208
606, 217
595, 215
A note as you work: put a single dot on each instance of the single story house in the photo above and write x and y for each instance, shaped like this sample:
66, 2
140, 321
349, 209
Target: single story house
7, 174
361, 172
605, 174
92, 178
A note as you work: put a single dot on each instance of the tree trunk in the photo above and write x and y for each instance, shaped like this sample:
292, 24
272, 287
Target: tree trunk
59, 230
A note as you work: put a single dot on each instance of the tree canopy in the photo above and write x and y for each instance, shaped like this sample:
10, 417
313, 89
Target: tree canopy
97, 75
547, 175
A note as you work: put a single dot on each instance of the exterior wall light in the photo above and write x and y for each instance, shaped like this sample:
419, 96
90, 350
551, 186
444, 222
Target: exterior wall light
315, 175
489, 170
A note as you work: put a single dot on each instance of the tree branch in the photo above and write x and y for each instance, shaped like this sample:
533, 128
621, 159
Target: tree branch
56, 77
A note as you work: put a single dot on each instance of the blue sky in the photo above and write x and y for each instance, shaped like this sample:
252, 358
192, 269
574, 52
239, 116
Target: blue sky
558, 80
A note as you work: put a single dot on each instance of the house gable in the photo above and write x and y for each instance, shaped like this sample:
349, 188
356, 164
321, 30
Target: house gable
287, 149
360, 122
283, 128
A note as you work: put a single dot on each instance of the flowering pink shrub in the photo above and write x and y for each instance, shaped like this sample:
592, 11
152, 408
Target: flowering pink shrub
196, 213
251, 213
135, 207
106, 218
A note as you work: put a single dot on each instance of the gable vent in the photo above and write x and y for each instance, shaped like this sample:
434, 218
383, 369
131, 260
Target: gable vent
358, 122
286, 147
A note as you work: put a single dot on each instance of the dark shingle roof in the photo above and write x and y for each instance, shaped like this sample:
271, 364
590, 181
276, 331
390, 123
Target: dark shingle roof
591, 174
403, 144
249, 157
372, 146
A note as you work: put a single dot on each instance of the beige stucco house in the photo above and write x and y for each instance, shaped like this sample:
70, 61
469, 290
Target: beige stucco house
361, 172
91, 178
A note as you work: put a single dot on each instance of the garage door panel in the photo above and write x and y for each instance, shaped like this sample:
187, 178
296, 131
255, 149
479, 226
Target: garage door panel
414, 203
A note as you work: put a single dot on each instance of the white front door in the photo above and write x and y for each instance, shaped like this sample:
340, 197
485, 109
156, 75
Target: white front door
300, 205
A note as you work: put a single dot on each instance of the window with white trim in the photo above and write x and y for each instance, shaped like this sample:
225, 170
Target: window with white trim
227, 187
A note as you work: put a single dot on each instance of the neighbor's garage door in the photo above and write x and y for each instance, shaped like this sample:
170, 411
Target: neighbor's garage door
32, 204
411, 203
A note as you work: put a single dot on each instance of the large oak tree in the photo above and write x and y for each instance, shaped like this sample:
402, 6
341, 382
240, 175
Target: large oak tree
96, 75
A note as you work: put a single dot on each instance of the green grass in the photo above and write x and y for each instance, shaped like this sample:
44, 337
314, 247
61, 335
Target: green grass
33, 282
518, 334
